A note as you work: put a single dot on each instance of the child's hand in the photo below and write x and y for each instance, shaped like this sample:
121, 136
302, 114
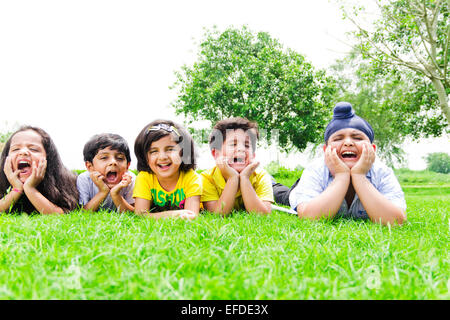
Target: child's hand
12, 176
185, 214
227, 171
249, 169
334, 164
366, 160
97, 178
37, 173
126, 180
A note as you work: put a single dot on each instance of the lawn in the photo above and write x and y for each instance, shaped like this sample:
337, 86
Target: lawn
104, 255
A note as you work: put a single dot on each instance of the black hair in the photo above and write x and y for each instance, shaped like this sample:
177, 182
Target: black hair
146, 137
58, 185
221, 128
104, 140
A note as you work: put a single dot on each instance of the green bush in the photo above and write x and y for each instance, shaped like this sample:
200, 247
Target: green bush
438, 162
279, 171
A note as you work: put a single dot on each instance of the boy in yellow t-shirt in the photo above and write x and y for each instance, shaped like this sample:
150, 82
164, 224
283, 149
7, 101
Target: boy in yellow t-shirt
235, 182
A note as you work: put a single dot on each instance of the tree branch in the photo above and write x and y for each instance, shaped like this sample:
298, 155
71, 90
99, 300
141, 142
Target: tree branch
390, 54
446, 53
431, 55
436, 11
446, 47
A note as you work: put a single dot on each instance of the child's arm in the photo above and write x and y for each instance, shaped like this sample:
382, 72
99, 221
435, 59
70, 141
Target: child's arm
226, 200
17, 187
193, 204
378, 207
142, 206
251, 200
40, 203
119, 201
102, 193
327, 204
9, 199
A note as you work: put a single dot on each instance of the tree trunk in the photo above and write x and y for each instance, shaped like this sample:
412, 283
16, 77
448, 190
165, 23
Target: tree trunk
443, 98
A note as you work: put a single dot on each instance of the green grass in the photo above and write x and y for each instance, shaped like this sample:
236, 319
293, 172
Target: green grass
120, 256
422, 178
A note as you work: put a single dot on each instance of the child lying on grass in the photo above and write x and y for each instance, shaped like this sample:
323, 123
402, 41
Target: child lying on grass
107, 184
167, 185
33, 177
349, 182
235, 182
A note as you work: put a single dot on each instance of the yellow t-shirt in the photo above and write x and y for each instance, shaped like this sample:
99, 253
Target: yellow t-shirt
147, 187
213, 184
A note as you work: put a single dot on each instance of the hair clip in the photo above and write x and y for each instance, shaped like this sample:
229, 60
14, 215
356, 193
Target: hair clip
164, 126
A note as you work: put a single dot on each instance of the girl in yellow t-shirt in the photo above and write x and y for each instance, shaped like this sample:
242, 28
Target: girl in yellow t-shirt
167, 185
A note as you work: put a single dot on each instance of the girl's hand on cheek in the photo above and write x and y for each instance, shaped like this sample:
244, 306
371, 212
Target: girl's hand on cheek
12, 176
97, 178
366, 160
334, 164
37, 174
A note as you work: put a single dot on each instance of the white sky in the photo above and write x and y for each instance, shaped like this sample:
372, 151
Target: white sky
78, 68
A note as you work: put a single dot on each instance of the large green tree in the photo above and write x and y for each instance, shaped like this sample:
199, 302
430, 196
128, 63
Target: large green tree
397, 104
242, 73
408, 35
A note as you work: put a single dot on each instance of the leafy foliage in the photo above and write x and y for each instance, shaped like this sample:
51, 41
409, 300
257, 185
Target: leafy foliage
409, 35
3, 138
276, 170
282, 174
241, 73
438, 162
396, 104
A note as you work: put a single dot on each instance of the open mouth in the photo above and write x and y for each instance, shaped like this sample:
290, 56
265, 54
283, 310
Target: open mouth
348, 155
238, 160
24, 168
164, 166
111, 177
22, 165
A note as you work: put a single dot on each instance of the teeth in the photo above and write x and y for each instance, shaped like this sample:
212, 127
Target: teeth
23, 164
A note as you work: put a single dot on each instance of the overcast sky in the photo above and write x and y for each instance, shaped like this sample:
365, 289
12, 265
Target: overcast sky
78, 68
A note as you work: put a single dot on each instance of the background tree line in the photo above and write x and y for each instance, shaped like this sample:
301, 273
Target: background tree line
240, 72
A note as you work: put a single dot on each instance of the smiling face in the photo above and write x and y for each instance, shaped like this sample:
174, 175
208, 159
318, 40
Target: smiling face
237, 149
348, 144
112, 164
26, 147
164, 158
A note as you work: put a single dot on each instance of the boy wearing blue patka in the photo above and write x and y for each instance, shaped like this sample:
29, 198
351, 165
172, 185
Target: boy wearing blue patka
350, 182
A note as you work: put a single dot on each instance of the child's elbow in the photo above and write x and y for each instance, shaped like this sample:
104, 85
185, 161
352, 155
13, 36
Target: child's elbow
398, 218
266, 211
401, 217
303, 212
267, 208
140, 212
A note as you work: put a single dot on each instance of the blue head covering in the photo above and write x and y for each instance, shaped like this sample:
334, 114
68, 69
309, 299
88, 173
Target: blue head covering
344, 117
